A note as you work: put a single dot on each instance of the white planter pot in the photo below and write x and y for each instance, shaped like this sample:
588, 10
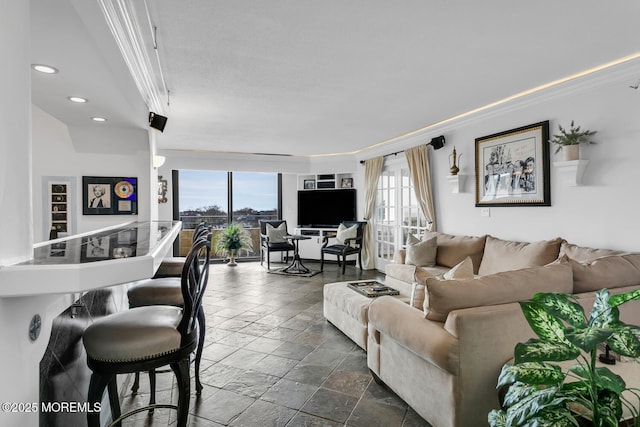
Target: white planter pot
570, 152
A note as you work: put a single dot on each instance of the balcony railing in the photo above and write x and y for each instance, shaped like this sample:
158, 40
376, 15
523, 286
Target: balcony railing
217, 224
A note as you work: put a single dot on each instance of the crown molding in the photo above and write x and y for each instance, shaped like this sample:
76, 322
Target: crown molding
623, 71
128, 30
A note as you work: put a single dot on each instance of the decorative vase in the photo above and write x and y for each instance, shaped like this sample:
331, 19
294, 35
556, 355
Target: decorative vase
232, 258
571, 152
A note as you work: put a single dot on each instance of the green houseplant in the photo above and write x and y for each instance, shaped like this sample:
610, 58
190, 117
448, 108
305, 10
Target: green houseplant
539, 392
571, 138
231, 240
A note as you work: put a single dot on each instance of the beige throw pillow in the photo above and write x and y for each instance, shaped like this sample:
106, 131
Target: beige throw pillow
454, 249
464, 270
582, 253
607, 272
276, 234
443, 296
422, 253
345, 233
505, 255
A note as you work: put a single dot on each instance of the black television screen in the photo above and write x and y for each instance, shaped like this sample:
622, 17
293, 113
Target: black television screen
326, 208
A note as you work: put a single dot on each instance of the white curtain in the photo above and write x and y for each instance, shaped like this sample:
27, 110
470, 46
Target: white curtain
372, 172
418, 161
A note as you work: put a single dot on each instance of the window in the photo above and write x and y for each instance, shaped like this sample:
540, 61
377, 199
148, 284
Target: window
220, 197
397, 213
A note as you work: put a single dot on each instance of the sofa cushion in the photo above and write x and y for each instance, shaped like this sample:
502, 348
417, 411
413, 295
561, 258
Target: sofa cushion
504, 255
606, 272
421, 253
443, 296
464, 270
581, 253
454, 249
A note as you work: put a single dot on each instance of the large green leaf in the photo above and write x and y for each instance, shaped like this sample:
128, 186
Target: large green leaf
588, 338
563, 307
497, 418
531, 405
602, 314
610, 408
616, 300
624, 341
553, 417
544, 324
534, 373
542, 351
517, 391
607, 380
603, 377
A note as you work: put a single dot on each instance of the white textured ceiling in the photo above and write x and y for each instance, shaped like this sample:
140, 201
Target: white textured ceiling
318, 77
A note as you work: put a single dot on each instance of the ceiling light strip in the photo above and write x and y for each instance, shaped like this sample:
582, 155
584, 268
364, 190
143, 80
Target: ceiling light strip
499, 102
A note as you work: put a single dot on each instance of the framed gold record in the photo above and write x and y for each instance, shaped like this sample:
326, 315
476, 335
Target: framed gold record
108, 195
124, 189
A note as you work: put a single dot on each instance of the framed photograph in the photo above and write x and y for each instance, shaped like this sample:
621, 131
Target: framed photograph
309, 184
95, 248
512, 167
103, 195
346, 183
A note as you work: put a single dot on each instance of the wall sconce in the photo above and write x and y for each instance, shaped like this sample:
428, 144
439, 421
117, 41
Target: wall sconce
162, 190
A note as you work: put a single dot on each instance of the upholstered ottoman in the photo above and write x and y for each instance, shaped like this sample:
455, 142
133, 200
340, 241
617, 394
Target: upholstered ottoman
348, 310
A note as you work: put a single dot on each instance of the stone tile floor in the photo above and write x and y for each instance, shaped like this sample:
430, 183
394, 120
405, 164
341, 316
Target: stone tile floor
271, 359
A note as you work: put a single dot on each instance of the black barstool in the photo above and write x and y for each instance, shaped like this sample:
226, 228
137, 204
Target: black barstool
167, 291
147, 338
172, 266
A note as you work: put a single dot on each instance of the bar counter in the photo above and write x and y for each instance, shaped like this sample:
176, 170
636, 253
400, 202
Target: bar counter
79, 263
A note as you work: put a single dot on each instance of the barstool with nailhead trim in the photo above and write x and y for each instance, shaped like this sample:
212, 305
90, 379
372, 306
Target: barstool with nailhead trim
148, 338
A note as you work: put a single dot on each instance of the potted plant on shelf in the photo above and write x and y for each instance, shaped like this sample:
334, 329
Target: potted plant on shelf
569, 142
541, 393
231, 240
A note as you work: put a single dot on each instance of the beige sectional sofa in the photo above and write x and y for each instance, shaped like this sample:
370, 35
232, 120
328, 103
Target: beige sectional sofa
442, 352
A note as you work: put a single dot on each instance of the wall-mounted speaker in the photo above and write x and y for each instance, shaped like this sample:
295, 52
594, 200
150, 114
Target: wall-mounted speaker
157, 121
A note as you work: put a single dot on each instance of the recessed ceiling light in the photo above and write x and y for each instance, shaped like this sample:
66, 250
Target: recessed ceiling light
98, 119
44, 68
77, 99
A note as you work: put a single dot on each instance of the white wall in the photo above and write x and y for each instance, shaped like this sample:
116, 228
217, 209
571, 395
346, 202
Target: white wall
59, 150
602, 212
20, 357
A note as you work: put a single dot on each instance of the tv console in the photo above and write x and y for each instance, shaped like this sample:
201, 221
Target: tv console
310, 249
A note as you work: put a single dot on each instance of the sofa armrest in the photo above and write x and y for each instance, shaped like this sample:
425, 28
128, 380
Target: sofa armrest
408, 327
488, 335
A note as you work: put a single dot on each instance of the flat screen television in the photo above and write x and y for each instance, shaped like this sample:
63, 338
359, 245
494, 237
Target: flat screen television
326, 208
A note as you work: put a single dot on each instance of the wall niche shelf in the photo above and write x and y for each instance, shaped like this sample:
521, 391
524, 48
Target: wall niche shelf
325, 181
571, 172
457, 183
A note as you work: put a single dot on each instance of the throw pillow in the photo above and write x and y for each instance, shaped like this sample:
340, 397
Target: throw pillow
444, 296
423, 253
582, 253
345, 233
464, 270
453, 249
276, 234
505, 255
606, 272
